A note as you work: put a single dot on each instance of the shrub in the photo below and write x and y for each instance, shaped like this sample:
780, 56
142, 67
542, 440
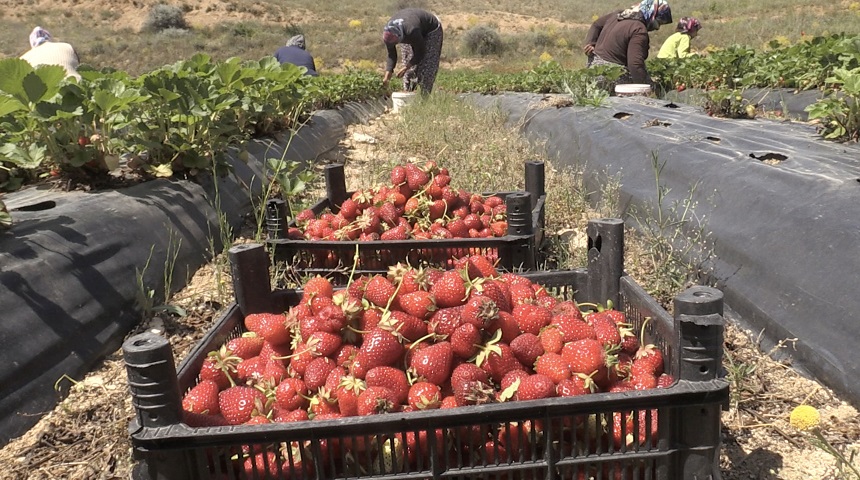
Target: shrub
161, 17
482, 40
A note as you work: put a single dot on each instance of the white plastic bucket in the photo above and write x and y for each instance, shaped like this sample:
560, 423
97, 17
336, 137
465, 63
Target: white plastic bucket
401, 99
627, 89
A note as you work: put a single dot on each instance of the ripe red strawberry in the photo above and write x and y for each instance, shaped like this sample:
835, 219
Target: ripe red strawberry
536, 387
553, 366
391, 378
317, 287
521, 293
416, 178
499, 228
585, 356
219, 368
642, 380
261, 465
527, 348
551, 339
458, 228
323, 344
425, 396
627, 434
650, 359
399, 232
375, 400
345, 355
246, 346
470, 385
379, 348
665, 381
407, 327
332, 380
203, 420
572, 328
531, 318
445, 320
322, 404
450, 289
317, 372
433, 363
578, 384
499, 360
346, 393
508, 326
419, 303
238, 403
273, 328
379, 290
465, 340
251, 370
202, 398
285, 416
291, 394
398, 175
479, 310
300, 360
605, 329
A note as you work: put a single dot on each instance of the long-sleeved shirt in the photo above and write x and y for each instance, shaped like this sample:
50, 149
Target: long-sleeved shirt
298, 57
417, 24
624, 42
54, 53
676, 46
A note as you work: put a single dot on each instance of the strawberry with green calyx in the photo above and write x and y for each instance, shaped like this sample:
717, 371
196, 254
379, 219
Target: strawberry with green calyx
451, 290
649, 357
406, 327
347, 392
496, 358
237, 404
471, 386
220, 367
479, 310
321, 403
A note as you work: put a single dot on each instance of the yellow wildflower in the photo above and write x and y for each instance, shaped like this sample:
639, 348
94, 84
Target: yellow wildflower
545, 57
355, 24
804, 417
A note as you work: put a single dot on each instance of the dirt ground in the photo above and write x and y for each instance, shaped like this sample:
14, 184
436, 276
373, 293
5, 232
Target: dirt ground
86, 436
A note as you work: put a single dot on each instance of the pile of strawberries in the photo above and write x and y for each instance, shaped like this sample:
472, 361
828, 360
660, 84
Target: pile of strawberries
419, 202
420, 339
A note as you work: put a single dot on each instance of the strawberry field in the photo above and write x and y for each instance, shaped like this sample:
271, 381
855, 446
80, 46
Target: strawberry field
392, 366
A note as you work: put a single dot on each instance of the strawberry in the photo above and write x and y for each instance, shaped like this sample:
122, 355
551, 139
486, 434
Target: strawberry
323, 344
398, 175
273, 328
567, 307
399, 232
425, 396
332, 380
346, 393
572, 328
380, 348
650, 359
291, 394
642, 380
419, 303
202, 398
624, 431
391, 378
507, 324
305, 216
246, 346
458, 228
220, 368
251, 370
553, 366
496, 291
238, 403
356, 288
379, 290
479, 310
322, 404
531, 318
416, 178
465, 340
404, 325
262, 465
605, 329
527, 348
536, 387
445, 320
585, 356
499, 228
551, 339
471, 386
317, 371
450, 289
432, 363
285, 416
665, 381
498, 359
317, 287
345, 355
375, 400
521, 294
349, 209
203, 420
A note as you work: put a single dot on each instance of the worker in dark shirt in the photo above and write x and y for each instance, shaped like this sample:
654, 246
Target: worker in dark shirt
294, 52
419, 34
621, 38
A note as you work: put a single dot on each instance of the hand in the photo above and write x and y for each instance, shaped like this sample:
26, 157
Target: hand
385, 79
402, 72
588, 49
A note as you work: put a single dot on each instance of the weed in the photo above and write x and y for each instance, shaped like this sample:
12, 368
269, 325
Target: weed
807, 419
677, 245
146, 297
483, 40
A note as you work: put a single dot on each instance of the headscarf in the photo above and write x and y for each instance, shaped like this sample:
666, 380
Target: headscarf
297, 41
39, 36
688, 24
393, 31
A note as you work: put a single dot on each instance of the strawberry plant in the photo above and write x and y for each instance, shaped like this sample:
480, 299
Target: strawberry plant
839, 112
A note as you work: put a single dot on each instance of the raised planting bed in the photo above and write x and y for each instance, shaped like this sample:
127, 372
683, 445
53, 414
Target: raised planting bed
671, 432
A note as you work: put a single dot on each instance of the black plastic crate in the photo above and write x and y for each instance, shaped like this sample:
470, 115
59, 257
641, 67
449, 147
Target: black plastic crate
519, 249
576, 434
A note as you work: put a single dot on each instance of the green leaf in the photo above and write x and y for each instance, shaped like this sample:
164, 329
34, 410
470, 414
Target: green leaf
29, 157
